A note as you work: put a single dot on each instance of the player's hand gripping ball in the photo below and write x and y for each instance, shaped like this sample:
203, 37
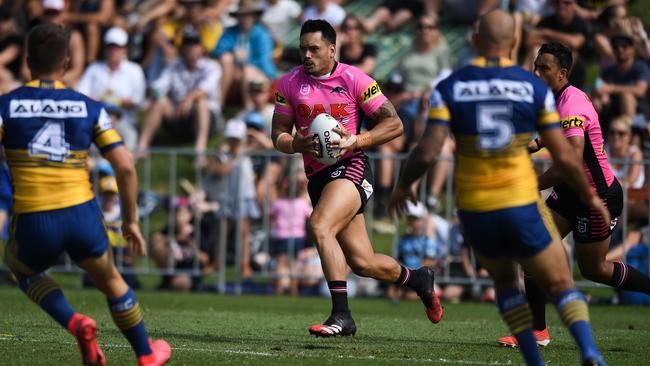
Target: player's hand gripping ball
321, 128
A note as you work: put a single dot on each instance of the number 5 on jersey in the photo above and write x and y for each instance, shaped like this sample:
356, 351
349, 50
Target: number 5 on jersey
494, 125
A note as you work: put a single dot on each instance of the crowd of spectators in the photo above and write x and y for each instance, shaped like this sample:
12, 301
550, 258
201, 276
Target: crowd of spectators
203, 72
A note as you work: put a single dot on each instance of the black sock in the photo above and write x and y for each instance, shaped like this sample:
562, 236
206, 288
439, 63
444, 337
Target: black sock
537, 303
627, 278
339, 292
409, 278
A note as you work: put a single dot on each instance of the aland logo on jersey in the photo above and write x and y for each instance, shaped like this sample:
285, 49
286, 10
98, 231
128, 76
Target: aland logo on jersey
493, 89
49, 108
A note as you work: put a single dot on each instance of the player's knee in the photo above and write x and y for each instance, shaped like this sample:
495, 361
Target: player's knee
594, 271
182, 283
557, 285
227, 58
320, 230
361, 267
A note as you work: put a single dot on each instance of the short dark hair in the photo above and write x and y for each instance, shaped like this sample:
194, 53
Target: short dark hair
619, 38
319, 25
47, 46
562, 54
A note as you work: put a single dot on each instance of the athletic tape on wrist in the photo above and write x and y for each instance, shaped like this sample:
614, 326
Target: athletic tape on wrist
364, 140
284, 143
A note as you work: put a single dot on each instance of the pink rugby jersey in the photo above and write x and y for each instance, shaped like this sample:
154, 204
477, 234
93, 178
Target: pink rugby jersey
579, 118
346, 95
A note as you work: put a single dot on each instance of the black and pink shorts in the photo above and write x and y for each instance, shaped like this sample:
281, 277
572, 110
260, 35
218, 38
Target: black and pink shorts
355, 169
587, 225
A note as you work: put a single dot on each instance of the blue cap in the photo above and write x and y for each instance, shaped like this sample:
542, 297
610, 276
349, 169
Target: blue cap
112, 108
254, 120
105, 168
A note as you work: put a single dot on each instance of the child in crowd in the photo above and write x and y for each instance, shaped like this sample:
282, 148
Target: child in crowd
416, 248
289, 214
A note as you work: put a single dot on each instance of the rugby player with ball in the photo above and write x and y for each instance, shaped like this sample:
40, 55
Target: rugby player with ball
325, 101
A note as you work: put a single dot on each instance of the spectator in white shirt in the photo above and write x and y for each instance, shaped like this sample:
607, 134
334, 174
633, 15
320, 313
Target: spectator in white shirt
186, 92
326, 10
116, 81
278, 16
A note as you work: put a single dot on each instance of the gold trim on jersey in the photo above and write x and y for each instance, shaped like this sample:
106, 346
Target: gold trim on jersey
107, 137
441, 113
484, 62
47, 188
547, 218
469, 145
548, 118
493, 183
22, 158
56, 84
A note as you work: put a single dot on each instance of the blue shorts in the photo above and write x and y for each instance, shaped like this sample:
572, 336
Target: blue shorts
515, 232
6, 196
38, 239
281, 246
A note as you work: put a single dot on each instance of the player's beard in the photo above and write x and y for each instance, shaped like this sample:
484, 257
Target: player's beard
309, 67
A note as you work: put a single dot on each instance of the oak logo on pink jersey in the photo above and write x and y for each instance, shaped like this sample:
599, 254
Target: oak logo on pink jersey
336, 110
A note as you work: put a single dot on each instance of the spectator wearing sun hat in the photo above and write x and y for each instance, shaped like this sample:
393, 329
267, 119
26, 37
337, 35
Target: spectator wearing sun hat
116, 81
245, 52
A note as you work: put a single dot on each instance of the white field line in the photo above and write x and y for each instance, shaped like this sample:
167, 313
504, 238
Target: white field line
10, 338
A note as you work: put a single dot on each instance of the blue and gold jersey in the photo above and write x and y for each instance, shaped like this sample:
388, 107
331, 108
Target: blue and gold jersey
47, 130
493, 108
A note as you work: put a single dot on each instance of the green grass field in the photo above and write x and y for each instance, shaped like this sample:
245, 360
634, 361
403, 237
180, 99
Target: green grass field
208, 329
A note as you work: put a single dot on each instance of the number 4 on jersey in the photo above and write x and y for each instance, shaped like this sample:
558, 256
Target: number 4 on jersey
50, 141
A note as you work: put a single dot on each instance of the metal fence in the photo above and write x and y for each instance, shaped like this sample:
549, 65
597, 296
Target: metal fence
162, 172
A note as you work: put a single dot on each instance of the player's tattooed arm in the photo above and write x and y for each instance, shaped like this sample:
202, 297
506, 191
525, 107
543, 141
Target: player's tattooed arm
421, 158
389, 125
424, 154
386, 110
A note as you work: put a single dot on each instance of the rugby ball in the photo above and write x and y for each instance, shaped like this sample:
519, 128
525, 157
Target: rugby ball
321, 128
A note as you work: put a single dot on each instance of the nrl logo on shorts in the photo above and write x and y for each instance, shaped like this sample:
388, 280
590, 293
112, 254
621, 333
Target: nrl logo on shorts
367, 188
336, 173
582, 224
305, 89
